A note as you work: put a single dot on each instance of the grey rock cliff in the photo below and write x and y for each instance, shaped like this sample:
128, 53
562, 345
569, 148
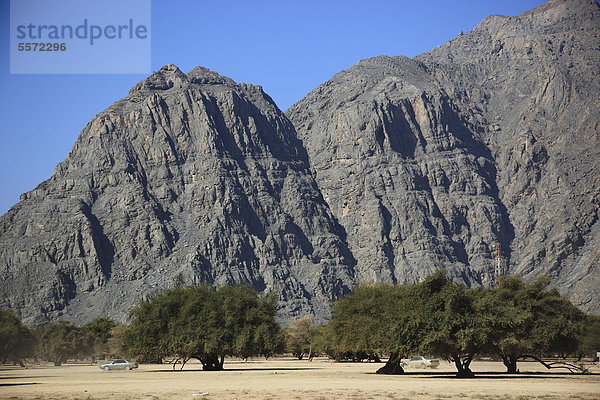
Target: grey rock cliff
492, 137
403, 169
536, 79
191, 178
385, 173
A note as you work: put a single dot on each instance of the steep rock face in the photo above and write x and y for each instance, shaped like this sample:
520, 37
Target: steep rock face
403, 166
493, 136
538, 73
191, 178
402, 169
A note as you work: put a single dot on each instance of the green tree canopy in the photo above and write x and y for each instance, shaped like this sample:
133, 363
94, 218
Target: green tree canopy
528, 320
435, 316
589, 337
63, 340
249, 322
203, 323
361, 321
438, 317
319, 339
443, 318
100, 330
16, 340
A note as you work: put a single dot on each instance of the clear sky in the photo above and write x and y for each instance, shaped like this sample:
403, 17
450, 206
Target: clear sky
288, 47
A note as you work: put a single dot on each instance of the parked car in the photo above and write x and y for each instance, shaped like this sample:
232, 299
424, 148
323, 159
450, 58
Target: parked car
422, 362
119, 364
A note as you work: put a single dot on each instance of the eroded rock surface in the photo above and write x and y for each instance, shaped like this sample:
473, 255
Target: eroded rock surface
191, 178
387, 172
492, 137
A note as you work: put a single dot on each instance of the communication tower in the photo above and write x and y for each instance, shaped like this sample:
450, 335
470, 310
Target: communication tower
499, 265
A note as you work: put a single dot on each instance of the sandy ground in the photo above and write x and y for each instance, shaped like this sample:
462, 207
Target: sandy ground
286, 378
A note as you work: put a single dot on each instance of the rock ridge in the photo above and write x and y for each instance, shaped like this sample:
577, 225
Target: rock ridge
388, 171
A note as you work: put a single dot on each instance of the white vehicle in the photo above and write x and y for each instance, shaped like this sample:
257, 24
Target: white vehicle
119, 364
421, 362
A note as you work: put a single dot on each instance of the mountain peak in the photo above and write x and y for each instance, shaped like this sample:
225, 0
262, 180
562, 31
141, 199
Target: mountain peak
564, 7
201, 75
385, 173
170, 76
165, 78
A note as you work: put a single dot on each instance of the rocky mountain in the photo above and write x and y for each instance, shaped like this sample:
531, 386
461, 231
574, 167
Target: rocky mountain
492, 137
387, 172
191, 178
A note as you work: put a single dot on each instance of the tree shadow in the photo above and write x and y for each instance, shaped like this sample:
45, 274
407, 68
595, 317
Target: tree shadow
18, 384
495, 375
237, 369
26, 377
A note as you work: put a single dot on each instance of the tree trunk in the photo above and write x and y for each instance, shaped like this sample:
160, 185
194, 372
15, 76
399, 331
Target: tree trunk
59, 360
212, 363
510, 362
393, 366
462, 366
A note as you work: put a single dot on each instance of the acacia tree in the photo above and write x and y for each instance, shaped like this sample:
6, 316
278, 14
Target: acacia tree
438, 317
148, 336
319, 341
453, 328
589, 337
197, 330
63, 340
361, 322
172, 324
100, 330
298, 337
199, 322
16, 340
115, 343
248, 324
435, 316
527, 320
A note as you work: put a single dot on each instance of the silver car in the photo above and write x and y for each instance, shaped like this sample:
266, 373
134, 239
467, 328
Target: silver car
422, 362
119, 364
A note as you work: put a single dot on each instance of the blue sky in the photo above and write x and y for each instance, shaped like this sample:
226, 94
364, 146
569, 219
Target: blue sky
288, 47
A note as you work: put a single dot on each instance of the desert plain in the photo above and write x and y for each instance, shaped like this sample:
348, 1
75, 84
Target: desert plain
288, 378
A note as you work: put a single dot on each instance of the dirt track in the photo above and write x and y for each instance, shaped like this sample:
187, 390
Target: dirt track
285, 378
